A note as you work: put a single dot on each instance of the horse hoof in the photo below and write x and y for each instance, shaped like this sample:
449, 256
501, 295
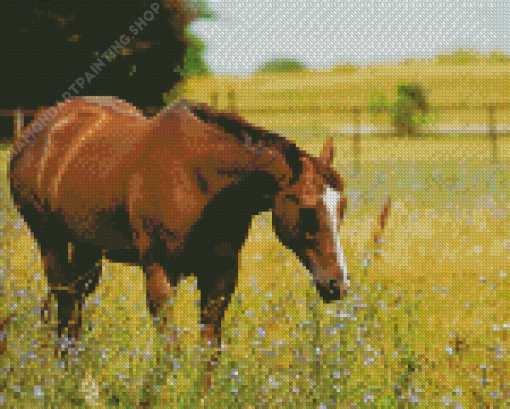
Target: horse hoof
66, 346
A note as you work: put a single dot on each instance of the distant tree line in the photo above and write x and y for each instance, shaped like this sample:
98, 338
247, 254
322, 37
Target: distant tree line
282, 65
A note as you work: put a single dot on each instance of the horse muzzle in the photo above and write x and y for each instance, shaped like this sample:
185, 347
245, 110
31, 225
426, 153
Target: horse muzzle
334, 289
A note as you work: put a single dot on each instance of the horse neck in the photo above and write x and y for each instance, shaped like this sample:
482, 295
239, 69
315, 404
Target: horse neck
271, 162
224, 155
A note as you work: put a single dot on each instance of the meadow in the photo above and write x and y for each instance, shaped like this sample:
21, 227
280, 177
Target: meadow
426, 323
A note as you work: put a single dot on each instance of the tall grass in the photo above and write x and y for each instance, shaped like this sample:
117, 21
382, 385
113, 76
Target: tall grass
426, 323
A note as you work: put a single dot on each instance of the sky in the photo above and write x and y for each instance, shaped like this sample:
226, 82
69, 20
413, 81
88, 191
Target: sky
321, 33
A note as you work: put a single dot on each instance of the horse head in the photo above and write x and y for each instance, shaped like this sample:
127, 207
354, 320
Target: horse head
306, 217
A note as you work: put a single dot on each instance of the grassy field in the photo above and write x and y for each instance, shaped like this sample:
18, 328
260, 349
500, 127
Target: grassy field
427, 323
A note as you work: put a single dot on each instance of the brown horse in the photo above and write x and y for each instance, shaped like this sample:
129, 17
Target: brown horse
175, 194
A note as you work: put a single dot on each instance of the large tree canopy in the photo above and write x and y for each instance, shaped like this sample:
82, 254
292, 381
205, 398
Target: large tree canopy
46, 46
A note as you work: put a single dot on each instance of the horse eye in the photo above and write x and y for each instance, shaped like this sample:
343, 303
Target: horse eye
308, 221
293, 198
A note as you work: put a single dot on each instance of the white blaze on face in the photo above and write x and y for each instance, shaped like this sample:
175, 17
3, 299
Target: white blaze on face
331, 199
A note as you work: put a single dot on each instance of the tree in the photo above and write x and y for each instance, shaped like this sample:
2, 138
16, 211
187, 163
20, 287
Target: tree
282, 65
345, 68
410, 109
194, 64
49, 46
460, 56
496, 56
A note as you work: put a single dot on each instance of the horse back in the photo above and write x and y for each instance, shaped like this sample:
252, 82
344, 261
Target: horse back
72, 143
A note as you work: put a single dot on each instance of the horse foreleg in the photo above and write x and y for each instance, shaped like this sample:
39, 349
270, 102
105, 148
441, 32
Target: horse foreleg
158, 290
209, 334
214, 303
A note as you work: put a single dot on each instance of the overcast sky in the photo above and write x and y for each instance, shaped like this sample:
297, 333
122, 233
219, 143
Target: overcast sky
321, 33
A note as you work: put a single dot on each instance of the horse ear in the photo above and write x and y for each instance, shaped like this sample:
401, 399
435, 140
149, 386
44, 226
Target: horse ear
328, 152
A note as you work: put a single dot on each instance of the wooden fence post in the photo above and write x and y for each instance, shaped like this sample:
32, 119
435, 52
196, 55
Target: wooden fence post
214, 100
231, 100
356, 140
492, 133
18, 123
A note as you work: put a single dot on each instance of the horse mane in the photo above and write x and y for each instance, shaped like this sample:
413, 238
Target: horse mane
237, 126
246, 133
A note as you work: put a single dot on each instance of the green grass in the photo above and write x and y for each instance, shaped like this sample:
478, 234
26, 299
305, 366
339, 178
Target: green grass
427, 322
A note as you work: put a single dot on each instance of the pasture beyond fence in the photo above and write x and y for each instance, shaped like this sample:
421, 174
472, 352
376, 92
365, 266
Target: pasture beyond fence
491, 126
356, 111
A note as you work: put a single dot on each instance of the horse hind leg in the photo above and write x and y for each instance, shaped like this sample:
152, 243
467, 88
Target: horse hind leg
71, 281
